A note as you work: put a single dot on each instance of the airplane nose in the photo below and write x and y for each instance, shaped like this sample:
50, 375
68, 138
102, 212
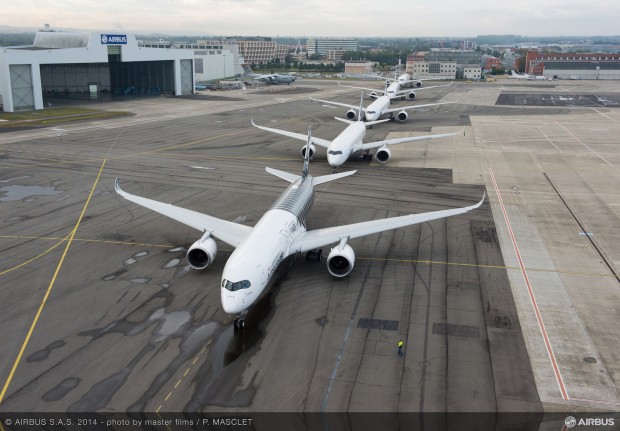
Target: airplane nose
231, 303
335, 161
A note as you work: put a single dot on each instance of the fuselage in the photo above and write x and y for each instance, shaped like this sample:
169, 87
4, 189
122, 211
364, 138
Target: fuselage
250, 267
345, 144
376, 108
393, 89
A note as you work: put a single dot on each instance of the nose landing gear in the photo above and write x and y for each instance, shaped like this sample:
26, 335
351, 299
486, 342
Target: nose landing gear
239, 322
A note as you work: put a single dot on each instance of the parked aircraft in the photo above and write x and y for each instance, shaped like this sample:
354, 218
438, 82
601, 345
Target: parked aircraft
394, 91
350, 141
279, 233
271, 79
515, 75
379, 108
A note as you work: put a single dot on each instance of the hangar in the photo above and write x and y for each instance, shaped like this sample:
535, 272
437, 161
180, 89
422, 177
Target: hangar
63, 63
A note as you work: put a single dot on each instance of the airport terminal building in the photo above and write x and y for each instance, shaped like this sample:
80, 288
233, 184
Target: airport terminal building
61, 63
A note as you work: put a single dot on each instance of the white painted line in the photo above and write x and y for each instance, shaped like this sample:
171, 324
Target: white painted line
541, 325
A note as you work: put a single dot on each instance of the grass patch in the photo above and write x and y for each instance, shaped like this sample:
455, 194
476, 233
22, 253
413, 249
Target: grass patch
51, 116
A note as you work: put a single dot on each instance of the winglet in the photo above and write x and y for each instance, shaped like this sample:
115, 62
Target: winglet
117, 187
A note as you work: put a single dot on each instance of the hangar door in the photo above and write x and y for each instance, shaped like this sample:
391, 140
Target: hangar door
21, 86
187, 84
145, 78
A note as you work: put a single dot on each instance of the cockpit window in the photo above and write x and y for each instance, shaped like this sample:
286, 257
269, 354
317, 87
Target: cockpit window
372, 112
335, 153
229, 285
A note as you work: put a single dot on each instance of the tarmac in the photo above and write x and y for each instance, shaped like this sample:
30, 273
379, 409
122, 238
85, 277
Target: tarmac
509, 308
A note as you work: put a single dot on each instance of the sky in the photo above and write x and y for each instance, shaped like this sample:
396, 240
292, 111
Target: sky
338, 18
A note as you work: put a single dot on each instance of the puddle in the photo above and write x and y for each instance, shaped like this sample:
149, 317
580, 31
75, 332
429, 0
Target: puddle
171, 264
140, 280
182, 271
16, 192
63, 388
240, 219
43, 354
114, 275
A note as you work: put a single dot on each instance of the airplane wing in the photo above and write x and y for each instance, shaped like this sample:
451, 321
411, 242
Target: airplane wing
406, 108
229, 232
361, 88
409, 90
318, 141
346, 105
332, 235
378, 144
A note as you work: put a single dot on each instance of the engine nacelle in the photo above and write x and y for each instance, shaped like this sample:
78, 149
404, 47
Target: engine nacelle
351, 114
340, 261
312, 151
412, 95
202, 253
402, 116
383, 154
373, 95
418, 84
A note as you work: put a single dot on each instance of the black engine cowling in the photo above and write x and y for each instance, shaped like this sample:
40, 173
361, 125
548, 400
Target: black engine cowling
202, 253
383, 154
312, 151
340, 261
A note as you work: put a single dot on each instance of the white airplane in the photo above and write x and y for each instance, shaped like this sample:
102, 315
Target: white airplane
378, 108
279, 233
515, 75
393, 90
350, 141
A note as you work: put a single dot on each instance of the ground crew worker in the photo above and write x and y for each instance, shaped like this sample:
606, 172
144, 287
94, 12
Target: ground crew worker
400, 347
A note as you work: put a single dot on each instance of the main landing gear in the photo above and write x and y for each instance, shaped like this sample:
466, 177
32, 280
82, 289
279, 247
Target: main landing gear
367, 156
314, 255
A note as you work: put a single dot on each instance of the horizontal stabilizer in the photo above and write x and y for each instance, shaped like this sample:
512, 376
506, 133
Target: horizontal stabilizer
326, 178
291, 178
366, 123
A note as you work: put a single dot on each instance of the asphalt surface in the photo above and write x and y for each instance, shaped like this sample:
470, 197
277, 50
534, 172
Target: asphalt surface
112, 319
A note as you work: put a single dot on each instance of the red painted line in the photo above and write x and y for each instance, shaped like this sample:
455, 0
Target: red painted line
530, 291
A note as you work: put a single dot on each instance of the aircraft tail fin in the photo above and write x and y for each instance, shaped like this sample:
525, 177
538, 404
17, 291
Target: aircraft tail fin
359, 114
307, 153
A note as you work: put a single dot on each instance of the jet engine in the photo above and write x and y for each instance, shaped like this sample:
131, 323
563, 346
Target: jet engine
312, 151
402, 116
351, 114
340, 261
418, 84
383, 154
373, 95
412, 95
202, 252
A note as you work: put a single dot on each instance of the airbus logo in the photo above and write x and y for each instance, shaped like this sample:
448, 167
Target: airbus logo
113, 39
571, 422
